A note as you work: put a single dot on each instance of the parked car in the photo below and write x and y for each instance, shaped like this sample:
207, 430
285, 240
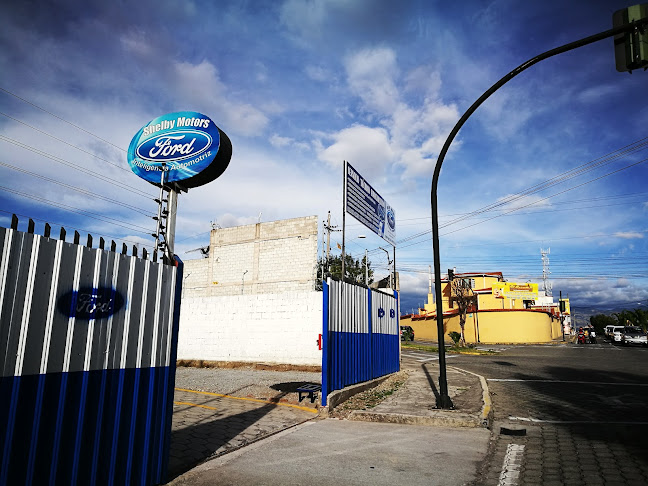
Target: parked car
634, 335
617, 334
609, 331
406, 333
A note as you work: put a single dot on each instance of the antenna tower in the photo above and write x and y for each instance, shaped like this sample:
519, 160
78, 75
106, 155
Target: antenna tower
546, 284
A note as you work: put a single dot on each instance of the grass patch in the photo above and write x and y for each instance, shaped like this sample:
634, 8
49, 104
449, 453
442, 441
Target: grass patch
451, 350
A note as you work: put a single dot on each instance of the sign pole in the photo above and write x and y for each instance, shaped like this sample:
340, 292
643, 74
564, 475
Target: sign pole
344, 197
171, 221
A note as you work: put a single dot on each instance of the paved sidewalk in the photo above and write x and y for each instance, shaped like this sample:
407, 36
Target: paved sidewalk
209, 424
335, 451
415, 401
403, 448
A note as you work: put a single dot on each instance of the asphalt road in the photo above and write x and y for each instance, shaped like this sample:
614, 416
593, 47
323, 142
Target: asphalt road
581, 409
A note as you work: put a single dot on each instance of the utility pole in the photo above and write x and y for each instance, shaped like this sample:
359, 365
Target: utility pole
366, 269
328, 228
328, 236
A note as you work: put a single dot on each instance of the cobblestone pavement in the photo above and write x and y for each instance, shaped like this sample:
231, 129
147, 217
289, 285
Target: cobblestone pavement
566, 415
207, 424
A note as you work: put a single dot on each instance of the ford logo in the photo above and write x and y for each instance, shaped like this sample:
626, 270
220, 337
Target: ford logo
391, 220
173, 146
88, 303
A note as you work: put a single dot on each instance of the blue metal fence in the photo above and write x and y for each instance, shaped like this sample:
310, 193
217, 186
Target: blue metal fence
88, 340
360, 335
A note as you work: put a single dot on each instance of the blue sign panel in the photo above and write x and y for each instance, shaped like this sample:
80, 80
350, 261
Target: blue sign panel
367, 206
186, 146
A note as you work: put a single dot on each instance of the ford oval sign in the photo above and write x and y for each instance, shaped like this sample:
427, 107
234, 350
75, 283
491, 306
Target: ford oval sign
187, 146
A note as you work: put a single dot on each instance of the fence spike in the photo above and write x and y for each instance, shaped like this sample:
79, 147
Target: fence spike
14, 222
134, 251
124, 249
48, 230
113, 246
89, 245
102, 242
31, 226
144, 254
63, 233
155, 256
77, 237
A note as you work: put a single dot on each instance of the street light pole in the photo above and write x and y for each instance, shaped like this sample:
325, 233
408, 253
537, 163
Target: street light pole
444, 401
389, 262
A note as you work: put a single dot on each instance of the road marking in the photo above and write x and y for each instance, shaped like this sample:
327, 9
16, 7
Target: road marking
195, 405
422, 358
511, 466
575, 422
568, 382
267, 402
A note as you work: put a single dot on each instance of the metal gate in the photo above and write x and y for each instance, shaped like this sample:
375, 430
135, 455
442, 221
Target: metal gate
360, 336
88, 340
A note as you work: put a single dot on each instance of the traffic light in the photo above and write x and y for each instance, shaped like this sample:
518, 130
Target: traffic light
631, 48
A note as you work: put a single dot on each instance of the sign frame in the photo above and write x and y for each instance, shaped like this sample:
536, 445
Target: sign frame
367, 206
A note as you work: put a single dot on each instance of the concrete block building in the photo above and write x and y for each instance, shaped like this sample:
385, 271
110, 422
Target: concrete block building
253, 299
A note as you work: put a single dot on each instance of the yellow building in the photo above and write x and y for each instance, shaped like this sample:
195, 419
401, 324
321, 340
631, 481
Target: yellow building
497, 312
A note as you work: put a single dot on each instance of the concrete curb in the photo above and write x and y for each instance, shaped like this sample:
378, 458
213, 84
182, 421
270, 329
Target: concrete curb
339, 396
486, 415
439, 418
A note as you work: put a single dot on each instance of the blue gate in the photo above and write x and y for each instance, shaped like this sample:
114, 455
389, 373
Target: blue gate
88, 340
360, 335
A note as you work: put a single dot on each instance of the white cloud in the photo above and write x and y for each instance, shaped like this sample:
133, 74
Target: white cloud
628, 235
371, 76
285, 142
239, 118
367, 149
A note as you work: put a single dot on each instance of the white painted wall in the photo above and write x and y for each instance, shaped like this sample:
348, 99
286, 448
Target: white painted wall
263, 328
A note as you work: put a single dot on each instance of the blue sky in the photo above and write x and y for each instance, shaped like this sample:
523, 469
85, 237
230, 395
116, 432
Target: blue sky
299, 86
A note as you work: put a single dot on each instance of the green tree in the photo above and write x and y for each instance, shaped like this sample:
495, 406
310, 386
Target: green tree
623, 317
599, 321
640, 318
462, 294
354, 269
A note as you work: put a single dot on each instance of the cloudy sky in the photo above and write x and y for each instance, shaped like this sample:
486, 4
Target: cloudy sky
555, 159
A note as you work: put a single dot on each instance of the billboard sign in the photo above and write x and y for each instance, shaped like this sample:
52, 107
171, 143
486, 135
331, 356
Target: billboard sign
512, 290
367, 206
186, 145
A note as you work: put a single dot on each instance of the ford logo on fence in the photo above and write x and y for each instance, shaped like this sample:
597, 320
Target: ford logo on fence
174, 146
184, 146
88, 303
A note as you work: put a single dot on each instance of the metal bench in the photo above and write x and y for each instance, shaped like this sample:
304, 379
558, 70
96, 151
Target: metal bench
309, 390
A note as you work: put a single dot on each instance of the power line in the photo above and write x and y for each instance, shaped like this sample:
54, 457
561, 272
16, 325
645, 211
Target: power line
548, 197
105, 219
126, 187
61, 225
77, 189
62, 119
67, 143
418, 235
